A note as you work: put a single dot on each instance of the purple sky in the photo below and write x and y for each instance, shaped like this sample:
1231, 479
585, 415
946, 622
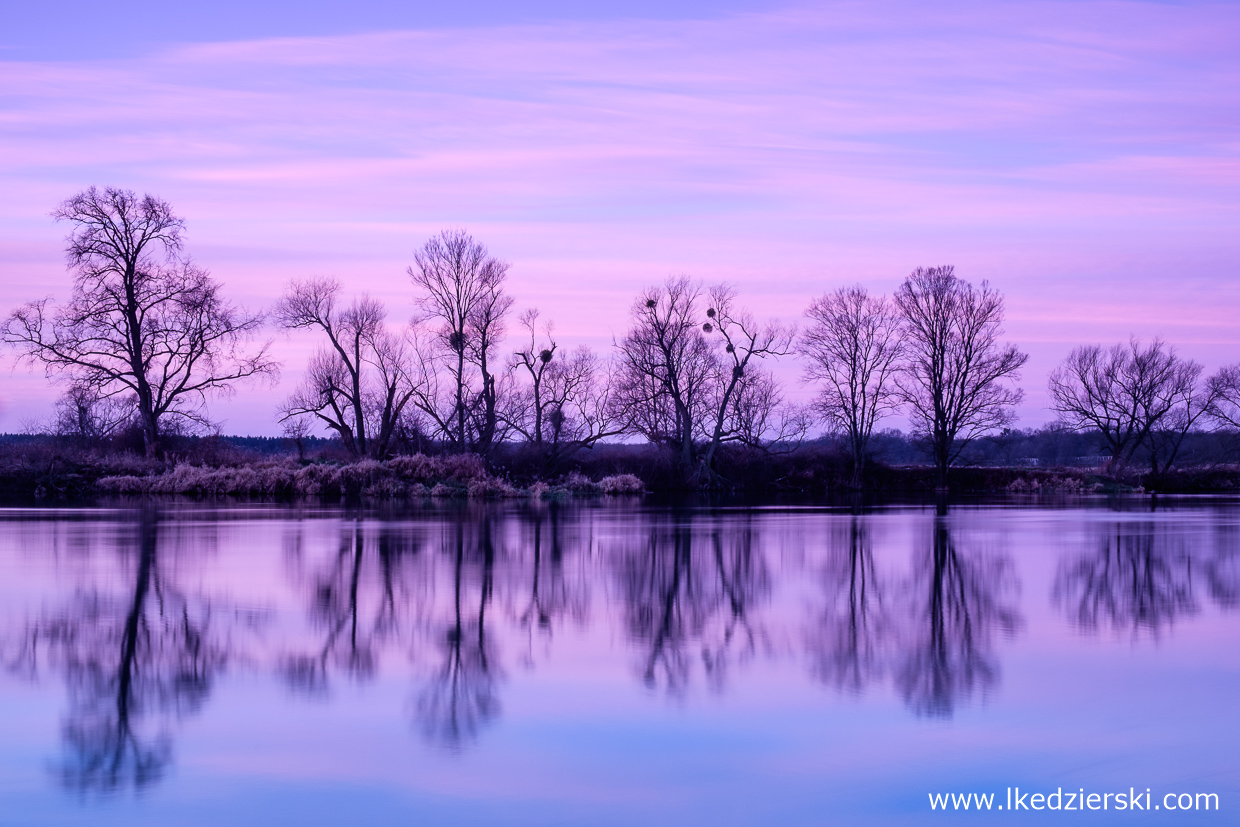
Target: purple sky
1081, 156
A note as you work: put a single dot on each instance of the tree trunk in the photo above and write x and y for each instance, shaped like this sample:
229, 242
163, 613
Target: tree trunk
460, 397
942, 457
150, 433
858, 452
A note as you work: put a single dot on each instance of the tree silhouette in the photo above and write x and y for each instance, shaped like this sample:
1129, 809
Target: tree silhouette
143, 322
955, 375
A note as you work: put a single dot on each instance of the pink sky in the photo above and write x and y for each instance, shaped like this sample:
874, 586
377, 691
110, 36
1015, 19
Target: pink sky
1083, 157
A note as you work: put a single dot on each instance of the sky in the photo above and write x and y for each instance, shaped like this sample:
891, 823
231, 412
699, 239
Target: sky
1083, 157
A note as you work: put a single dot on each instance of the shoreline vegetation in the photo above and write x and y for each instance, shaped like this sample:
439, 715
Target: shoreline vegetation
46, 469
459, 402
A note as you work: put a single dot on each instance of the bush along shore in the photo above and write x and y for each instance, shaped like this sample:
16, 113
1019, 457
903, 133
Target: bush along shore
401, 478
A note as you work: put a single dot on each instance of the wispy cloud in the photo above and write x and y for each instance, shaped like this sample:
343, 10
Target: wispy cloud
1088, 149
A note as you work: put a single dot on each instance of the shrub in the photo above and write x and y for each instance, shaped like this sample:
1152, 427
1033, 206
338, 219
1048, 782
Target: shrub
490, 488
578, 483
460, 468
621, 484
403, 477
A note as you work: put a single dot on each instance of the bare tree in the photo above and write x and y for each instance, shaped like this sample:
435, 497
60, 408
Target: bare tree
853, 347
1127, 394
686, 374
295, 430
82, 413
744, 339
359, 384
465, 303
565, 405
759, 417
954, 372
142, 319
535, 359
1225, 395
666, 366
1192, 404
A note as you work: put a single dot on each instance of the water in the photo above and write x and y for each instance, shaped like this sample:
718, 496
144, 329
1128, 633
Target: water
615, 664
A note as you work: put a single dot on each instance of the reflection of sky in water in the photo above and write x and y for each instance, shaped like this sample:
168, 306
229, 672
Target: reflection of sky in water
609, 666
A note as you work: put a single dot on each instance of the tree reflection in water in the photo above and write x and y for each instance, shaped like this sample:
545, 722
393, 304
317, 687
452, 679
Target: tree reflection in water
461, 696
848, 641
133, 664
959, 602
1138, 578
1223, 575
677, 598
450, 593
356, 625
384, 589
938, 648
744, 583
552, 597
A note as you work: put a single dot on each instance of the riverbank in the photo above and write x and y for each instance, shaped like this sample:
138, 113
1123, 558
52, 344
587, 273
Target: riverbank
67, 476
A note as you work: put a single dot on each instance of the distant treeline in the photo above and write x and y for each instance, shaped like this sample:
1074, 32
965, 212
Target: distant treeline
147, 338
1046, 447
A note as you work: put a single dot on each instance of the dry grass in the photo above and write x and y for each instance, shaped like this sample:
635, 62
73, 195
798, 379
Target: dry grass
411, 477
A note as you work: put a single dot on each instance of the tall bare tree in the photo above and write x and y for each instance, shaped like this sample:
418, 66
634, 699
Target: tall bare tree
360, 383
1129, 394
955, 373
690, 373
666, 366
532, 410
852, 347
142, 319
1225, 393
1193, 406
737, 380
465, 305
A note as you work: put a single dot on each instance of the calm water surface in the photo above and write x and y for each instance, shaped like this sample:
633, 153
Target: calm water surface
615, 664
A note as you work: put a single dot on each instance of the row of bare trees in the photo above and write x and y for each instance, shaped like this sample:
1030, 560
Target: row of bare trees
146, 338
932, 351
443, 377
1139, 396
691, 373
